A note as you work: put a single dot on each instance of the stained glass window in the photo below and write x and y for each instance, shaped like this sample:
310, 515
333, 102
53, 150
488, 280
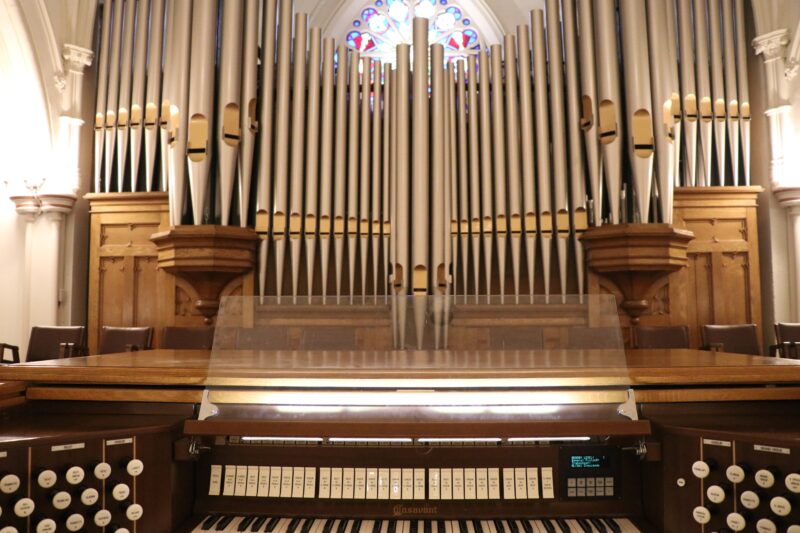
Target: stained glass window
383, 24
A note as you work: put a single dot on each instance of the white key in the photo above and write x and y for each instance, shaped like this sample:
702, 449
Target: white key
298, 481
263, 482
538, 526
282, 525
336, 483
448, 527
384, 527
384, 479
275, 481
458, 483
455, 527
435, 526
470, 527
325, 483
491, 526
626, 525
310, 482
506, 526
234, 525
367, 526
317, 526
575, 526
215, 480
252, 481
446, 483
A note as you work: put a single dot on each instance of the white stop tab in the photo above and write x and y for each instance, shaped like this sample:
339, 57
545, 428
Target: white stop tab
89, 496
102, 518
62, 500
46, 479
102, 471
780, 506
765, 525
750, 500
120, 491
701, 515
765, 479
134, 512
736, 522
716, 494
735, 474
75, 475
9, 484
75, 522
794, 528
9, 529
700, 469
48, 525
135, 467
24, 508
793, 483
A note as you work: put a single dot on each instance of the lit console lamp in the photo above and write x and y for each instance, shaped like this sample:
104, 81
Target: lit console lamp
635, 257
208, 258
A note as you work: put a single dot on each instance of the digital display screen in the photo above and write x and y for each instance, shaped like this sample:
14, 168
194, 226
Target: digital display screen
588, 461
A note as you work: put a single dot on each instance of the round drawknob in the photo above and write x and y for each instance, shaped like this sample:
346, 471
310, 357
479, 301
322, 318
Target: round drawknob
701, 515
75, 522
736, 522
765, 525
9, 529
62, 500
765, 478
701, 469
750, 500
794, 528
102, 471
24, 507
102, 518
736, 473
780, 505
134, 512
793, 482
48, 525
122, 530
9, 484
716, 493
46, 479
75, 475
134, 467
89, 496
120, 492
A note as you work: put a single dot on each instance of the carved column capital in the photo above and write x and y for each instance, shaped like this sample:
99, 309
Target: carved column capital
77, 58
772, 45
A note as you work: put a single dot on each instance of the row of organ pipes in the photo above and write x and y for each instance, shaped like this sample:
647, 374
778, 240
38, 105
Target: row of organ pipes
421, 176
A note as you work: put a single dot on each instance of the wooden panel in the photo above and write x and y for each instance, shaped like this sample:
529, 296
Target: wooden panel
145, 311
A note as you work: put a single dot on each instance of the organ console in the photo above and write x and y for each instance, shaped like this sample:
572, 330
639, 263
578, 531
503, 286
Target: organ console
514, 426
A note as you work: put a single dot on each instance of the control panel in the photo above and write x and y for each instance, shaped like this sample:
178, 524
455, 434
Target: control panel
718, 481
589, 472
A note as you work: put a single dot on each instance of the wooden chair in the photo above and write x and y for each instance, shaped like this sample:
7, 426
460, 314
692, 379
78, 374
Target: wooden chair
187, 338
787, 336
661, 337
119, 339
50, 342
735, 338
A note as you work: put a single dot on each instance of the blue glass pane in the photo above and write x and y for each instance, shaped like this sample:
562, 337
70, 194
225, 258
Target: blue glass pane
367, 13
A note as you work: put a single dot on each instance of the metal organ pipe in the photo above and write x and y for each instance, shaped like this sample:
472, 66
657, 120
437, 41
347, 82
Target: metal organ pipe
514, 179
387, 176
688, 89
298, 144
438, 174
588, 106
717, 86
137, 88
312, 156
326, 160
420, 158
365, 168
377, 172
153, 93
464, 214
102, 93
528, 153
499, 160
229, 125
731, 93
248, 108
744, 89
126, 72
354, 105
474, 171
112, 102
703, 90
340, 168
487, 179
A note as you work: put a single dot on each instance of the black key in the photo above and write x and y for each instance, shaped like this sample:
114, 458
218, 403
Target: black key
307, 525
392, 526
563, 525
476, 525
257, 523
526, 525
209, 521
512, 525
222, 524
378, 526
356, 525
413, 526
246, 521
328, 526
599, 525
585, 525
612, 525
440, 527
272, 524
342, 526
498, 525
293, 525
427, 526
548, 526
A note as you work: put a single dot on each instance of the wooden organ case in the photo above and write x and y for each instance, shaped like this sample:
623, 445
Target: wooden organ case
348, 425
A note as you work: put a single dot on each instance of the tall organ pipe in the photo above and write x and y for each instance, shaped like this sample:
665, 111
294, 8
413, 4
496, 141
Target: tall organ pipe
744, 89
312, 156
438, 166
528, 153
609, 113
731, 93
487, 178
124, 107
248, 110
474, 170
464, 215
638, 100
102, 93
514, 179
153, 93
703, 90
340, 162
688, 89
137, 88
298, 144
376, 173
717, 86
499, 159
326, 160
229, 123
364, 174
387, 176
168, 92
112, 102
588, 106
353, 109
420, 158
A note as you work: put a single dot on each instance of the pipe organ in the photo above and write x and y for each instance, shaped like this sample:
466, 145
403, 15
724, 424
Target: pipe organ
474, 176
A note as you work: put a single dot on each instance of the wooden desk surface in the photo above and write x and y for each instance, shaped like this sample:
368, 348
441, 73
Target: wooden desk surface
543, 368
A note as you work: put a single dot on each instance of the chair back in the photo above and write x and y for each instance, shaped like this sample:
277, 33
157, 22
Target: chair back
55, 342
661, 337
187, 338
119, 339
735, 338
787, 336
